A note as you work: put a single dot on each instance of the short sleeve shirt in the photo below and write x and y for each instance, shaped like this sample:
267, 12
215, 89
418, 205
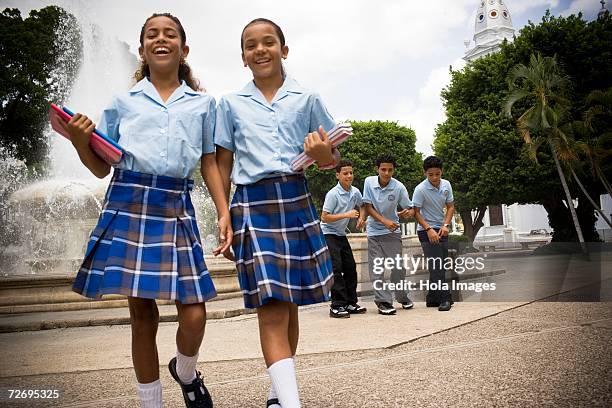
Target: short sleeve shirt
431, 201
163, 138
338, 201
266, 136
385, 201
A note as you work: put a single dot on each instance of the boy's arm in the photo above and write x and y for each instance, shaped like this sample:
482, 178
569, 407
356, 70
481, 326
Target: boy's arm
450, 210
327, 217
363, 215
216, 188
378, 217
431, 233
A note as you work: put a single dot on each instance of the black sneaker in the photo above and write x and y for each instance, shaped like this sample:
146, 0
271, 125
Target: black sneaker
195, 394
338, 312
386, 309
445, 306
356, 309
407, 304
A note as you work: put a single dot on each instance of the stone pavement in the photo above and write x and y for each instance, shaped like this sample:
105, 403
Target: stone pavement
486, 354
481, 353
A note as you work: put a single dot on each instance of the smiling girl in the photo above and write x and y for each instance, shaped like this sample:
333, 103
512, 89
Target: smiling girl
281, 255
146, 244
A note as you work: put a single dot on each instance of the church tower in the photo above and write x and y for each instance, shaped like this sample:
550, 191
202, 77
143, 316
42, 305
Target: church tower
493, 25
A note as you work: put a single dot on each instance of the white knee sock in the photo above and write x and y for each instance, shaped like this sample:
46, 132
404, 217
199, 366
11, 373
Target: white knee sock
272, 393
284, 383
186, 367
150, 394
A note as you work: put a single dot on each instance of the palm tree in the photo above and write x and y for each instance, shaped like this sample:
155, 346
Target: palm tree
599, 107
543, 85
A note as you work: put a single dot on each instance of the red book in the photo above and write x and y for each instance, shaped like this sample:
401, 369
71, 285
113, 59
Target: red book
106, 148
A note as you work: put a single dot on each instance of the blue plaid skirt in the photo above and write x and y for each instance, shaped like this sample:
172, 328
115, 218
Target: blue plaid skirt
146, 243
279, 247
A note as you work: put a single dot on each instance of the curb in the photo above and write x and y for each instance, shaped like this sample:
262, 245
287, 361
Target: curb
109, 321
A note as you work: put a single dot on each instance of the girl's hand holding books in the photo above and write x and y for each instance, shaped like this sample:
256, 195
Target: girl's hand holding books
79, 128
318, 146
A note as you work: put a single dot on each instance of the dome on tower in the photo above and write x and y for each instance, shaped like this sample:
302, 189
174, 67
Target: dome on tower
492, 26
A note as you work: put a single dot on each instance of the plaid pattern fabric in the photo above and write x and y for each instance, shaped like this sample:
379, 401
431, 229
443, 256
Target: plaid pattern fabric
279, 248
146, 243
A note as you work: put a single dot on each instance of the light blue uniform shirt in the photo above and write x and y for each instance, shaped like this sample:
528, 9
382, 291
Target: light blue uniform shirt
337, 201
431, 201
385, 200
162, 138
264, 136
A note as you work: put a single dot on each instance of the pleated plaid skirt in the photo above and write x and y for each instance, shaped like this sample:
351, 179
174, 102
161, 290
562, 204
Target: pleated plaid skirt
146, 243
279, 247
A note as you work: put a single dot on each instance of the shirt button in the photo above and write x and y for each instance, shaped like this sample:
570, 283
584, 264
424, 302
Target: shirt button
162, 154
276, 155
162, 109
162, 131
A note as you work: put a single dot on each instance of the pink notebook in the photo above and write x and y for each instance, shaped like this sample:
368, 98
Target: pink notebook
106, 148
336, 136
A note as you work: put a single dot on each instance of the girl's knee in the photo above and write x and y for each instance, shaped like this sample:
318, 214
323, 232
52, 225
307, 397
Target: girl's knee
143, 311
192, 318
274, 314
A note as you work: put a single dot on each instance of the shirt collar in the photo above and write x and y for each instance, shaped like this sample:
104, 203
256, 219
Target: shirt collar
290, 85
145, 86
377, 183
431, 186
341, 189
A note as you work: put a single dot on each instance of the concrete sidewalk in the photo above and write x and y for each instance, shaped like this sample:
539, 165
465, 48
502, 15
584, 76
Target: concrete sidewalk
525, 355
108, 347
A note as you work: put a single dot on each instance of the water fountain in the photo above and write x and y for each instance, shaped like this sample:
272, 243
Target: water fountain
51, 219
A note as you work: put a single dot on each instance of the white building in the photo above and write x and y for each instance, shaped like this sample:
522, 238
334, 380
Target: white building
493, 25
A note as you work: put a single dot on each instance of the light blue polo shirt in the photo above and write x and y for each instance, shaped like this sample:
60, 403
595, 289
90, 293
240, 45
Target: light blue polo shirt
162, 138
337, 201
264, 136
431, 201
385, 200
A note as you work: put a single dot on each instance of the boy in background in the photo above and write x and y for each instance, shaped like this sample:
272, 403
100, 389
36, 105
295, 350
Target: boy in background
430, 198
382, 194
339, 207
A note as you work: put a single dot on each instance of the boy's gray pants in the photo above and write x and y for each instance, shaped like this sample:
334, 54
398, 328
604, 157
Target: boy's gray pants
386, 246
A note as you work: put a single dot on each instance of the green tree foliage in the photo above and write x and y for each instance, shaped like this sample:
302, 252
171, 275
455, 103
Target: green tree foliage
41, 55
368, 141
485, 157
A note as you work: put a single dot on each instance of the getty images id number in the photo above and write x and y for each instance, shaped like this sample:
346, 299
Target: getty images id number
33, 394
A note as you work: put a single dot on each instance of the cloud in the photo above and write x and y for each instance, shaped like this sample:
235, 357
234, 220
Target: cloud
517, 7
589, 8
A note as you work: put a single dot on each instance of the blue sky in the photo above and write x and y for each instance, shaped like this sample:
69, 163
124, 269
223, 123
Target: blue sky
369, 60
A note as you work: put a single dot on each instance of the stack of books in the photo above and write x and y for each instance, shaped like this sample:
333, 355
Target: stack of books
337, 135
102, 145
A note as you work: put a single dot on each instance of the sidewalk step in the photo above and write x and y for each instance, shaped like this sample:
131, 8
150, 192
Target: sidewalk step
16, 322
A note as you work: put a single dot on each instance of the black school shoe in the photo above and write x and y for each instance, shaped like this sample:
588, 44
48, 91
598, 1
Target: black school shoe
273, 401
201, 396
445, 306
338, 312
386, 309
407, 304
356, 309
